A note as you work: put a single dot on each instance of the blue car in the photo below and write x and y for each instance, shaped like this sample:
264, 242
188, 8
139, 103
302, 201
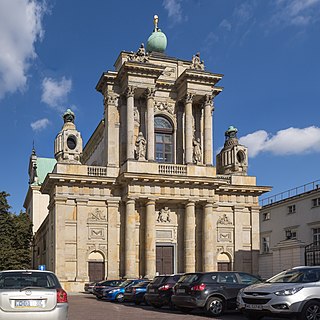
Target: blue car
136, 293
117, 294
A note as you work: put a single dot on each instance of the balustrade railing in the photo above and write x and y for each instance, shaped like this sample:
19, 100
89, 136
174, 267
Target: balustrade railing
172, 169
97, 171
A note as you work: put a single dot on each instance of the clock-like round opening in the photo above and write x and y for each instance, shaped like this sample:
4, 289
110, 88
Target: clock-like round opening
72, 142
241, 156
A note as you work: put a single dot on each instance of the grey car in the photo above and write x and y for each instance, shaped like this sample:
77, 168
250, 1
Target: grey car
32, 295
291, 293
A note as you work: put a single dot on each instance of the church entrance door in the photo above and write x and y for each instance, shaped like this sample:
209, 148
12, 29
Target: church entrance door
96, 271
165, 259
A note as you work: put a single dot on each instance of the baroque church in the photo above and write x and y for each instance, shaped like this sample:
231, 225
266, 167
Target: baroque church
143, 197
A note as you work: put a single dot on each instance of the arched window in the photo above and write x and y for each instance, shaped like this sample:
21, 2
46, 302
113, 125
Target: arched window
164, 139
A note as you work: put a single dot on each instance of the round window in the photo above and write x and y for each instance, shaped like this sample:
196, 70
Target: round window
72, 142
241, 156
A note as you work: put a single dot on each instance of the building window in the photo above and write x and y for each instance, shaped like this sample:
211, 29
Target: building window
164, 139
316, 234
266, 216
316, 202
292, 209
291, 234
265, 244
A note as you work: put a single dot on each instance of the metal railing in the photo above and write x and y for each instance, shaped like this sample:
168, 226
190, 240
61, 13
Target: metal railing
291, 193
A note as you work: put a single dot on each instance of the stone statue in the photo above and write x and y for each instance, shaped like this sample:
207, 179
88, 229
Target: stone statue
141, 147
68, 116
140, 55
197, 64
197, 151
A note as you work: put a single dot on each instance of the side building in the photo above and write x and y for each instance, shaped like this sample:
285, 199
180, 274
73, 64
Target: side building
143, 196
290, 229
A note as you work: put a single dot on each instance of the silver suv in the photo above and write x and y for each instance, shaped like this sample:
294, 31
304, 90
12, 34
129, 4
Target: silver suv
294, 292
32, 295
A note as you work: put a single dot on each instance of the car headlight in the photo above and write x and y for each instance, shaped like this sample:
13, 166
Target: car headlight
288, 292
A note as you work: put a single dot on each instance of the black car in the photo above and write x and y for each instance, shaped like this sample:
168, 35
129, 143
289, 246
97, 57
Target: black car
159, 291
136, 293
215, 292
100, 286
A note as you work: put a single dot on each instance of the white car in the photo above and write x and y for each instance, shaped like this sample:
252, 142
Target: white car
291, 293
32, 295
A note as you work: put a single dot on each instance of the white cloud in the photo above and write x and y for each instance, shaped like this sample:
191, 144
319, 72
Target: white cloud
40, 124
284, 142
55, 92
174, 9
225, 24
296, 12
20, 28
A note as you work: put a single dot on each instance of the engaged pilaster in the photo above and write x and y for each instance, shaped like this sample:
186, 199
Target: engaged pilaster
130, 240
188, 127
150, 123
208, 237
150, 240
208, 130
130, 122
189, 237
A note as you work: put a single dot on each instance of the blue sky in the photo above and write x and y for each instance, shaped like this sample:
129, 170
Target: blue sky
53, 52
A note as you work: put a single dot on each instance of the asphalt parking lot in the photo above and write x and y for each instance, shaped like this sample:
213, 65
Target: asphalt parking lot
86, 306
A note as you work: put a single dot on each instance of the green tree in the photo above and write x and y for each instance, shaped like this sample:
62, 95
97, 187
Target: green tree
15, 237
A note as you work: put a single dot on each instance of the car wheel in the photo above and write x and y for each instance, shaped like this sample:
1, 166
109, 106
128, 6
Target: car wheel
215, 306
120, 297
311, 311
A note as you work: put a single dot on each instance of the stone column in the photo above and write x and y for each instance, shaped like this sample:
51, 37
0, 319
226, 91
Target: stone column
208, 130
113, 240
189, 237
255, 239
215, 217
208, 238
130, 122
150, 240
130, 240
150, 123
188, 128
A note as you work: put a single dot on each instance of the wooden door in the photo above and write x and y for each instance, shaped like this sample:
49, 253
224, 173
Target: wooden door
224, 266
164, 256
96, 271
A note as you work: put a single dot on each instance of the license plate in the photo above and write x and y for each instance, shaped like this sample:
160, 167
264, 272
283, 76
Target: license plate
28, 303
181, 291
254, 306
151, 290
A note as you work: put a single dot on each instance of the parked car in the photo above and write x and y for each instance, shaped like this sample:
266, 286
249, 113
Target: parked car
294, 292
214, 292
159, 291
106, 284
136, 293
88, 287
116, 294
32, 294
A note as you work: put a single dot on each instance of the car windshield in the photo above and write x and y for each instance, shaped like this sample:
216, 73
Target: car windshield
126, 283
296, 276
24, 279
158, 280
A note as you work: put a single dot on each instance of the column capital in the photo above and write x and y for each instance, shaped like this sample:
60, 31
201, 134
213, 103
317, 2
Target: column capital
150, 93
207, 99
129, 91
188, 98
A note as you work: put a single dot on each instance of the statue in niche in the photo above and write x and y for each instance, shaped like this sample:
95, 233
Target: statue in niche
197, 64
141, 147
197, 151
164, 215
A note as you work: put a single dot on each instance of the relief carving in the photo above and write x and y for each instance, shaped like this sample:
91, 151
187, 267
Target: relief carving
96, 215
164, 106
164, 215
224, 237
224, 220
96, 233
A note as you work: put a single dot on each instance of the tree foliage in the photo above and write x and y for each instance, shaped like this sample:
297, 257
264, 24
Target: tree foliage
15, 237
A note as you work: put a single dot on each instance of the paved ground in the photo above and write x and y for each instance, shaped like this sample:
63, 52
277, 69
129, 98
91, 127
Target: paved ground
85, 306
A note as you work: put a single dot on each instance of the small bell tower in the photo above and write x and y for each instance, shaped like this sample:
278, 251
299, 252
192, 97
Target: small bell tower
233, 158
68, 143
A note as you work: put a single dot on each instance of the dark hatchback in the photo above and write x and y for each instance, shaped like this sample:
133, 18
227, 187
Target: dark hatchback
136, 293
215, 292
106, 284
159, 291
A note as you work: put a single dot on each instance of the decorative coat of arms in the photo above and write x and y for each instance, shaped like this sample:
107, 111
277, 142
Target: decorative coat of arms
164, 215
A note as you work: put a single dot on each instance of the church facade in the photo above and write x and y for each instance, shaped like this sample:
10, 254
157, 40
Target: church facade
143, 196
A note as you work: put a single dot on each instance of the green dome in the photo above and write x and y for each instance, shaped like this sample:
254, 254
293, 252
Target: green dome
157, 41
